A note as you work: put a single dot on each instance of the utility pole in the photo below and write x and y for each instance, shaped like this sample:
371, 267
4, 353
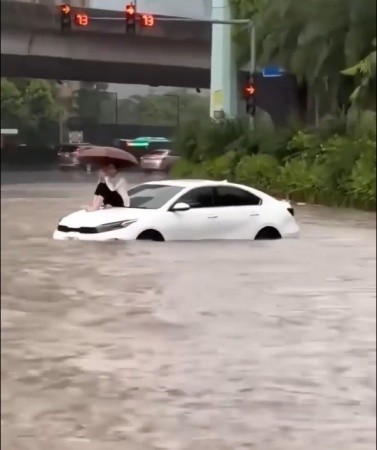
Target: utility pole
252, 65
178, 104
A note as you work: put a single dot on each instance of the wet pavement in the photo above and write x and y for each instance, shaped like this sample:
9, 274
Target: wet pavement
183, 346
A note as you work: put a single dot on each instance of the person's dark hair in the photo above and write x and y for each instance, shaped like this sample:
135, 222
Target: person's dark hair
116, 166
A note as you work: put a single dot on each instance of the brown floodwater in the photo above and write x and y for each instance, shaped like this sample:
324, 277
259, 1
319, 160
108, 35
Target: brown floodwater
183, 346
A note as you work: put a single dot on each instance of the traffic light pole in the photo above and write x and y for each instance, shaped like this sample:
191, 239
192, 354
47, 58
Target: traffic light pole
252, 64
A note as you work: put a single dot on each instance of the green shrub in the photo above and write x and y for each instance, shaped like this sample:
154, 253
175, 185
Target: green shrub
246, 144
337, 159
259, 171
199, 141
187, 169
303, 144
300, 180
361, 186
330, 125
186, 140
222, 168
276, 144
215, 139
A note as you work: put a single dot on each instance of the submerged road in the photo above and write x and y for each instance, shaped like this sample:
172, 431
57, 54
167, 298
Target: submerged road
183, 346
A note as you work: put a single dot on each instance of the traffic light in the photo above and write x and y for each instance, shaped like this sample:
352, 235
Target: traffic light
130, 18
65, 17
248, 94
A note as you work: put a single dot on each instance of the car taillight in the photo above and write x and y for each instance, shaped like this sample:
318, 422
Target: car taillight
291, 211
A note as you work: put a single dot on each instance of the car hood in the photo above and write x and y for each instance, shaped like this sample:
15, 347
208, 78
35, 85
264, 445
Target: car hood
93, 219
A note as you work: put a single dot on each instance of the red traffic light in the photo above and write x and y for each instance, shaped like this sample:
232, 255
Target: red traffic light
147, 20
249, 90
81, 20
130, 10
65, 9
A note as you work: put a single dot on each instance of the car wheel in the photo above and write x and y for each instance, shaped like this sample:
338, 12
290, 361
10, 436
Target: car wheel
150, 235
268, 233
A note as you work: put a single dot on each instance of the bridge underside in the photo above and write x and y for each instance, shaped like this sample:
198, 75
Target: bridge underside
76, 70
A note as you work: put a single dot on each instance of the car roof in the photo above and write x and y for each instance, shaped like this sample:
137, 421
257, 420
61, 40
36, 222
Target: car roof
184, 183
191, 183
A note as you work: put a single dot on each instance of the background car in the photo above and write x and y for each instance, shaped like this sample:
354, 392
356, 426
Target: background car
159, 160
68, 155
141, 146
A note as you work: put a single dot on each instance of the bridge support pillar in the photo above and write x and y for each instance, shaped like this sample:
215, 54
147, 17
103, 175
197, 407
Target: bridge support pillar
224, 96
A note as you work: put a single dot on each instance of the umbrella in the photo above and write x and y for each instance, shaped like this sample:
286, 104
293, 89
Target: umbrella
101, 156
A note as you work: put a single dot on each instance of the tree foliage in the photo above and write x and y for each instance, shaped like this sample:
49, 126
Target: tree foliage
316, 40
29, 105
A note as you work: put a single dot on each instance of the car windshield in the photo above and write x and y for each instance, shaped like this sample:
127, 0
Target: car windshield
152, 196
68, 148
159, 145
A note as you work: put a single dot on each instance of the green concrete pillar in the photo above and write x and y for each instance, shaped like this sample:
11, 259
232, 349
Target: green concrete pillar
224, 92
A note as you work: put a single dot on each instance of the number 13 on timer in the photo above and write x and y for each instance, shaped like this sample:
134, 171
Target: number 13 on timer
147, 20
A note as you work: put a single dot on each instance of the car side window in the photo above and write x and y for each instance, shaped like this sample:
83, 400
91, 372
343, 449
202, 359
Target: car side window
198, 198
231, 196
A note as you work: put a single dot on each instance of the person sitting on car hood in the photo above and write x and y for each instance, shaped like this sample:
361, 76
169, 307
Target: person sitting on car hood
111, 189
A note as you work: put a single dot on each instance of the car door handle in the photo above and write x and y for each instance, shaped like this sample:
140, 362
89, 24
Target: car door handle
212, 217
254, 214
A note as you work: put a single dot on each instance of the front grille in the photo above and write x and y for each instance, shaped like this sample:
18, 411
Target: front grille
82, 230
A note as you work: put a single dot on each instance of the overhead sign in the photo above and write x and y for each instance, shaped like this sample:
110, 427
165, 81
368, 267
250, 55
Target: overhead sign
9, 131
272, 71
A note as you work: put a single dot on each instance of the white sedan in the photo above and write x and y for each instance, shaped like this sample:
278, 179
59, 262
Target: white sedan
185, 210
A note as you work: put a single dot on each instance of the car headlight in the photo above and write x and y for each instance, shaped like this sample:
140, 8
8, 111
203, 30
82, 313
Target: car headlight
115, 225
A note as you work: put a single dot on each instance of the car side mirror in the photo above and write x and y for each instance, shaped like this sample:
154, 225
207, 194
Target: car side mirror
180, 207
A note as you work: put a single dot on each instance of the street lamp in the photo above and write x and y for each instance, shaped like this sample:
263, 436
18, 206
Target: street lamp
178, 106
63, 94
115, 105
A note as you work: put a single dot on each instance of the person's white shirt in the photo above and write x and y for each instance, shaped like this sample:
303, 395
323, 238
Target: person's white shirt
119, 184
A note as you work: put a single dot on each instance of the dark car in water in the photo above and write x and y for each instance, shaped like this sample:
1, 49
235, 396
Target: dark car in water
68, 155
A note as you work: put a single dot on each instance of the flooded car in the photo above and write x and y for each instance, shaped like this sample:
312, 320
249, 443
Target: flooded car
185, 210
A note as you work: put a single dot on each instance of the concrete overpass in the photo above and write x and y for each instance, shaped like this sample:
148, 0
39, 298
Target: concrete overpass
169, 54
